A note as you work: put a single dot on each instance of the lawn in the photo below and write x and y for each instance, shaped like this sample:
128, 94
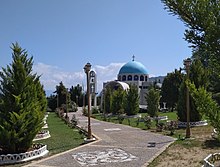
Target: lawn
134, 121
63, 137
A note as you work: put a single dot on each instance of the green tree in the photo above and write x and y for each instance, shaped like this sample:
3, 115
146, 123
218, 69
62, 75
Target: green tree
117, 100
131, 103
153, 99
76, 94
22, 103
206, 105
52, 102
199, 76
170, 88
61, 93
108, 100
202, 19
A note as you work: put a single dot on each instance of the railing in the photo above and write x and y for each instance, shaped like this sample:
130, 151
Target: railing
199, 123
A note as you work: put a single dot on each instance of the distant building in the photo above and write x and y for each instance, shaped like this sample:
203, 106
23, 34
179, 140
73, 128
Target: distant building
134, 73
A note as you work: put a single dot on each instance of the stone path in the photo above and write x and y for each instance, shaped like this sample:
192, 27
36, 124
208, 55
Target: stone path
117, 146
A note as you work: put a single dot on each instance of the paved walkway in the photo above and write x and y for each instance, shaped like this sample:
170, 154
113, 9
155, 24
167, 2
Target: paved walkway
117, 146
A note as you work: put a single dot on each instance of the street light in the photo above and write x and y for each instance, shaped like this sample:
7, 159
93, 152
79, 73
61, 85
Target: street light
87, 69
187, 62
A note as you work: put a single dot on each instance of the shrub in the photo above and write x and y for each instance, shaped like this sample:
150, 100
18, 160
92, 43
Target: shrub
147, 122
85, 112
172, 126
95, 110
74, 121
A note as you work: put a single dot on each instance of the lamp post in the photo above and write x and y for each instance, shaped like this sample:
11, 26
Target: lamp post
187, 63
87, 69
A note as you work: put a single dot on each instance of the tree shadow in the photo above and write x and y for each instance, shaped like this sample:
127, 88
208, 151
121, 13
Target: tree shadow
211, 144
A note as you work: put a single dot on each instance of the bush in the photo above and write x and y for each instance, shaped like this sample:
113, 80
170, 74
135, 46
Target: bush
147, 122
74, 122
160, 126
95, 110
85, 112
172, 126
121, 118
73, 107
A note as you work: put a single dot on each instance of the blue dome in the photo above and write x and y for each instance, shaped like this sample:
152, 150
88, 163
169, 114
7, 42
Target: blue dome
133, 67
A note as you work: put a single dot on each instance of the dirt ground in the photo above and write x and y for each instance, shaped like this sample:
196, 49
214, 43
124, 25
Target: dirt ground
184, 153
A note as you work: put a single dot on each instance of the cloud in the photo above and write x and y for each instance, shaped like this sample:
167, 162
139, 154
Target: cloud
53, 75
106, 73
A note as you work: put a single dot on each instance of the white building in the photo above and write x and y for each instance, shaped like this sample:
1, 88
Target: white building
133, 73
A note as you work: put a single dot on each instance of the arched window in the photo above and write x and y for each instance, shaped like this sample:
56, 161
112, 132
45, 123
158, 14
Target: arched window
129, 78
141, 78
136, 78
124, 78
119, 77
146, 78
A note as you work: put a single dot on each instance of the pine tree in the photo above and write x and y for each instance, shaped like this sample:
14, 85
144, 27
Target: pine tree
22, 103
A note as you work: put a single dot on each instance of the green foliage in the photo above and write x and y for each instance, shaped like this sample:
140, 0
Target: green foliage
63, 137
117, 100
147, 122
170, 88
95, 110
199, 76
181, 106
206, 105
202, 19
153, 98
74, 121
108, 100
131, 101
61, 93
22, 103
52, 102
76, 94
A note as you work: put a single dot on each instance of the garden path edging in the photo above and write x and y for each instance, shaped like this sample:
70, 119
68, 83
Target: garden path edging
41, 151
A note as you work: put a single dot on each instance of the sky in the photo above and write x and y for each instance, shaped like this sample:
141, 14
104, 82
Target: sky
63, 35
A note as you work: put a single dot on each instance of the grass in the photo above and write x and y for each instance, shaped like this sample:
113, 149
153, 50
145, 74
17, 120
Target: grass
63, 137
133, 121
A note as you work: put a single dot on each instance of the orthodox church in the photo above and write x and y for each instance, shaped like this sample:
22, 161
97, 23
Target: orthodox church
132, 73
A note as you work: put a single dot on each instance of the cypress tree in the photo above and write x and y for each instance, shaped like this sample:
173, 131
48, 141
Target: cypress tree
22, 103
153, 99
132, 101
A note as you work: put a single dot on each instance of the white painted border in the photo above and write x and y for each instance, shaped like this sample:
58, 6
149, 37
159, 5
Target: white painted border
23, 157
45, 135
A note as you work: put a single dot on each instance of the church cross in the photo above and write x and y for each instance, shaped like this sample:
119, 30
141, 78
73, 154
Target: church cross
133, 58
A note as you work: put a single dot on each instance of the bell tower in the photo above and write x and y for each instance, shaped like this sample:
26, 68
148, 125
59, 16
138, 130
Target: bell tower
93, 87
